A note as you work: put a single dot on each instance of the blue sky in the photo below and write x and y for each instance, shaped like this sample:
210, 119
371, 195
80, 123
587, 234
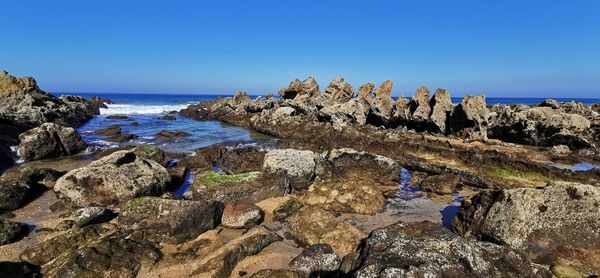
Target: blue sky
500, 48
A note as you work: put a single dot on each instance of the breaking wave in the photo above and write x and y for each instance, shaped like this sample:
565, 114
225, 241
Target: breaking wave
131, 109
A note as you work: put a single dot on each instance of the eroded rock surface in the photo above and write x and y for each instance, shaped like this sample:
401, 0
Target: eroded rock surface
49, 140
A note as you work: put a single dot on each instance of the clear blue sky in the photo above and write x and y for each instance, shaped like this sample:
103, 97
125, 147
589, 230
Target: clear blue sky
500, 48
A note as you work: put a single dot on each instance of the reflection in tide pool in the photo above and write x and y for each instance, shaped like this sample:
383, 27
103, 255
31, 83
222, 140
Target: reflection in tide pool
582, 166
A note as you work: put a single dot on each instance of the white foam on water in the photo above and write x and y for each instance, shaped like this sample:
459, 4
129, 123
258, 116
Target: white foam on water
131, 109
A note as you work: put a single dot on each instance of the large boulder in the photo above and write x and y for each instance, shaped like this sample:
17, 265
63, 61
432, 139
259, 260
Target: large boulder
471, 118
49, 140
301, 90
317, 259
339, 90
297, 165
115, 178
312, 225
241, 215
166, 220
425, 249
557, 224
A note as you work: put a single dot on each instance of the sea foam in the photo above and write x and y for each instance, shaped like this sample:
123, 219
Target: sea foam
127, 109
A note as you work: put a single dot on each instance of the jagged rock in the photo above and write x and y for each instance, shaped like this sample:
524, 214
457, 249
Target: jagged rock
284, 111
382, 105
49, 140
471, 116
221, 262
172, 134
354, 111
440, 184
301, 90
554, 224
241, 215
92, 215
316, 259
366, 91
115, 178
419, 105
312, 225
109, 131
441, 108
11, 231
401, 112
550, 103
425, 249
165, 220
339, 90
297, 165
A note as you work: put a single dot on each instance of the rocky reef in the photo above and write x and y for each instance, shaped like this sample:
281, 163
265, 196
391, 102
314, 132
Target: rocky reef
349, 183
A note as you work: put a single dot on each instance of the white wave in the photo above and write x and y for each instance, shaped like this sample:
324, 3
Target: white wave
128, 109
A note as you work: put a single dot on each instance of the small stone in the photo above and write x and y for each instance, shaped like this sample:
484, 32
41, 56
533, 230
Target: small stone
92, 215
316, 258
560, 150
168, 118
241, 215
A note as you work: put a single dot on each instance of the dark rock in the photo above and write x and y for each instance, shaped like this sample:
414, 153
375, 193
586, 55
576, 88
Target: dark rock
115, 178
19, 270
550, 103
317, 259
117, 117
121, 138
173, 221
279, 273
92, 215
20, 185
286, 208
426, 249
172, 134
555, 224
135, 124
167, 118
49, 140
178, 174
11, 231
109, 131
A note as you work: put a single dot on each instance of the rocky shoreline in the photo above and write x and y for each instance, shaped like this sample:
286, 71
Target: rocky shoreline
351, 185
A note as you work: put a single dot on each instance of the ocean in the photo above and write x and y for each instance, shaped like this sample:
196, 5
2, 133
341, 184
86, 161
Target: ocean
145, 109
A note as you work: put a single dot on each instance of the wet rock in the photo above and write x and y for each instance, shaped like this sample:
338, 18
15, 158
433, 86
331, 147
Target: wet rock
352, 195
222, 261
151, 152
297, 165
115, 178
312, 225
167, 118
441, 108
279, 273
22, 184
121, 138
560, 150
135, 124
339, 90
173, 221
19, 270
440, 184
301, 90
352, 164
117, 117
552, 225
382, 105
113, 255
49, 140
426, 249
178, 174
284, 111
109, 131
471, 117
366, 91
288, 207
241, 215
172, 134
419, 105
92, 215
11, 231
317, 259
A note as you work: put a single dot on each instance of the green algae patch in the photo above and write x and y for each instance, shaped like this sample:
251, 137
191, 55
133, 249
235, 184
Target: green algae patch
135, 202
513, 174
213, 179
